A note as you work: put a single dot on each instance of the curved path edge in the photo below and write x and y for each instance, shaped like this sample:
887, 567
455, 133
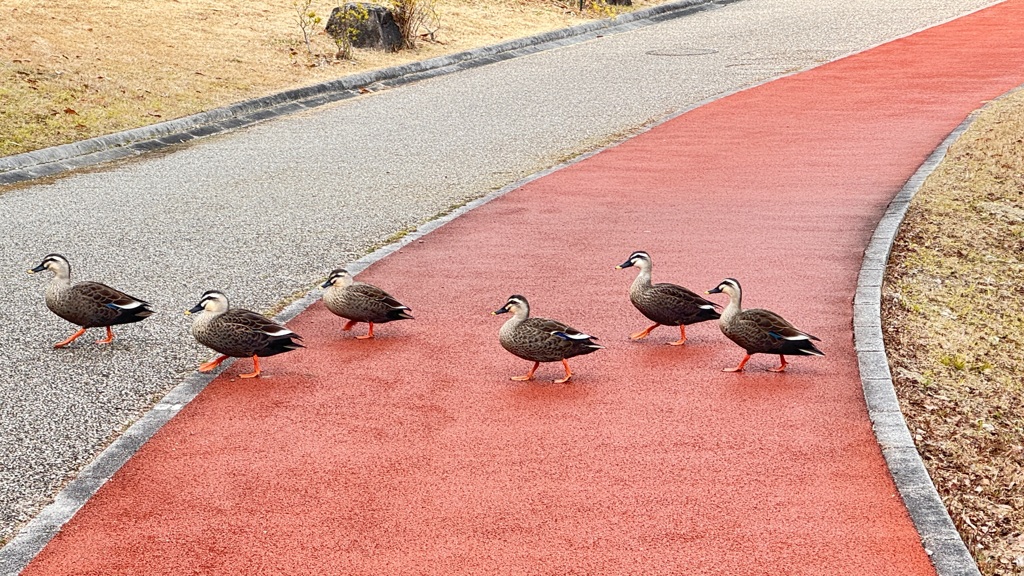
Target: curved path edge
34, 535
58, 159
941, 539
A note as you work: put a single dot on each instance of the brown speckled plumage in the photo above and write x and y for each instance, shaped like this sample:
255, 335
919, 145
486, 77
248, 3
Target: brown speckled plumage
541, 339
663, 303
361, 302
238, 332
88, 304
760, 331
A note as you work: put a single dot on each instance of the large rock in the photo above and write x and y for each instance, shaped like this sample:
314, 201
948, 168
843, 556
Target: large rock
377, 30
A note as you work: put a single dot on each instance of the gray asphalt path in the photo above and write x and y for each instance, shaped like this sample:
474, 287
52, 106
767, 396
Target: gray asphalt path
266, 212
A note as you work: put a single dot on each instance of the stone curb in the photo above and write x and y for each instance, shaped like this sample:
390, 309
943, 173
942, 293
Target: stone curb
34, 536
941, 540
57, 159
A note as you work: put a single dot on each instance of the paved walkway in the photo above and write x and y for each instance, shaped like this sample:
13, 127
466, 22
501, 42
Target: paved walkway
414, 453
266, 212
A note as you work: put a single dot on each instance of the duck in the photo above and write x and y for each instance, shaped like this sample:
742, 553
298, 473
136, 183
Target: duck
760, 331
237, 332
665, 304
88, 304
361, 302
541, 339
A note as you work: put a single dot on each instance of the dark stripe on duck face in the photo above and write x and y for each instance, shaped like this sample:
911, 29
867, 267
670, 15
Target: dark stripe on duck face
728, 282
513, 300
51, 259
638, 255
334, 276
207, 297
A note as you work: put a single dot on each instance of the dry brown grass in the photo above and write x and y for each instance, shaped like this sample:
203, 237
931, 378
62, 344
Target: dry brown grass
954, 326
83, 68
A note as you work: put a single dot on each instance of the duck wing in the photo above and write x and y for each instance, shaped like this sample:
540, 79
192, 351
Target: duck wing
255, 334
760, 330
374, 294
96, 304
672, 304
557, 340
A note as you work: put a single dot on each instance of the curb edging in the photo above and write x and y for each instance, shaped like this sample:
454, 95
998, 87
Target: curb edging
940, 538
58, 159
33, 536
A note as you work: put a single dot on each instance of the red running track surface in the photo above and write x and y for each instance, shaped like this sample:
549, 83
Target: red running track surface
414, 453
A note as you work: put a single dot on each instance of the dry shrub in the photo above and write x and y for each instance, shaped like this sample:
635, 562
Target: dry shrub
411, 16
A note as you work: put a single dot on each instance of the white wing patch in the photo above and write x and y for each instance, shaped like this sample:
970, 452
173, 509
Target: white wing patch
563, 335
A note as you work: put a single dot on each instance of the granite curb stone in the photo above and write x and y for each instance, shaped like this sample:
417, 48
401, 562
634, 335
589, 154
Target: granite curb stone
939, 536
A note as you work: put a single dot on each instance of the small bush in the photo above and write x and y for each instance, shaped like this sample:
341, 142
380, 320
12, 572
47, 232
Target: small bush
349, 17
411, 15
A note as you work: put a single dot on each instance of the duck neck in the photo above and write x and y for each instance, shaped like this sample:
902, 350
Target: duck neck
60, 283
733, 308
517, 318
643, 278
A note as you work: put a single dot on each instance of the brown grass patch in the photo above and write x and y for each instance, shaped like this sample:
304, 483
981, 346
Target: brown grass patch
85, 68
953, 308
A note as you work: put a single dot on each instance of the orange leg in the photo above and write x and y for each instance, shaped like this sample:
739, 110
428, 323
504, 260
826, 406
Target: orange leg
642, 334
256, 371
740, 367
568, 373
348, 325
108, 339
682, 336
528, 376
208, 366
368, 335
782, 367
64, 343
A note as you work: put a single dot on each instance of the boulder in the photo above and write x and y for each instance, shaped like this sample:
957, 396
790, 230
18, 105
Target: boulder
378, 30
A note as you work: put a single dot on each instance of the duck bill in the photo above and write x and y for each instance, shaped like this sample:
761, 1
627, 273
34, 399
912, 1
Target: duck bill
625, 264
501, 310
325, 284
714, 290
39, 268
194, 310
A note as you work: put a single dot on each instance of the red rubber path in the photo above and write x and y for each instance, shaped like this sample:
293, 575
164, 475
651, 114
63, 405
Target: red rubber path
414, 454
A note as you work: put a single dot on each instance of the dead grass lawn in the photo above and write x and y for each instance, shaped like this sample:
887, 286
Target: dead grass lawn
954, 328
84, 68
